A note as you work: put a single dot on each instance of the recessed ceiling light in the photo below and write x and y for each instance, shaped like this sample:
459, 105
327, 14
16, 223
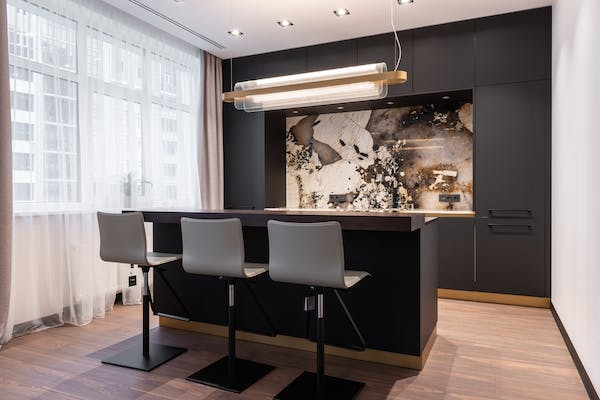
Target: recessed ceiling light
340, 12
403, 2
389, 103
340, 107
285, 23
235, 32
446, 97
295, 112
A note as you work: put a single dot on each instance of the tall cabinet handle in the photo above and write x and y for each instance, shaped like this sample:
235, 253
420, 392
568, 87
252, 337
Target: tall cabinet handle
509, 213
510, 228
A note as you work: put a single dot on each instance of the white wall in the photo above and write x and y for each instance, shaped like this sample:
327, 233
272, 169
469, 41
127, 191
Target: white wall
576, 176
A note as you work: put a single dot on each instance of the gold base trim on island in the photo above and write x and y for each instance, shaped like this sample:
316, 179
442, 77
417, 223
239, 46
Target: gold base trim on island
371, 355
496, 298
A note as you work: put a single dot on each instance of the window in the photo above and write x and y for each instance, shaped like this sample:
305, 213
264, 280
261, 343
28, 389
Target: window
22, 131
100, 109
22, 162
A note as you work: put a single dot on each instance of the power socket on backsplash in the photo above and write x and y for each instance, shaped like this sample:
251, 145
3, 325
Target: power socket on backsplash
449, 198
337, 198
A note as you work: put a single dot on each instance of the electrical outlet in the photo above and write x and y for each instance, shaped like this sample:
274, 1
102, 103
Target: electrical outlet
337, 198
449, 198
132, 280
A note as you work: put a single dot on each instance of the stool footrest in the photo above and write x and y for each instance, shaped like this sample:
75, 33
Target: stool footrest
133, 357
304, 387
246, 373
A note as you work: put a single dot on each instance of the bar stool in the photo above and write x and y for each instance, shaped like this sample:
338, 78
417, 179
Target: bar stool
216, 247
313, 254
123, 240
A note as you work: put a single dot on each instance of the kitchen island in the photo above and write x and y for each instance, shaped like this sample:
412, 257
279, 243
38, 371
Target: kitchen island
395, 309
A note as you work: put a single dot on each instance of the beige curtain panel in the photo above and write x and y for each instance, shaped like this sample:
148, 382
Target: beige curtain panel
6, 215
210, 155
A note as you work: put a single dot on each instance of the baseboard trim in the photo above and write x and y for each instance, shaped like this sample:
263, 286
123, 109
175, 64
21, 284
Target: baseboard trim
587, 382
496, 298
371, 355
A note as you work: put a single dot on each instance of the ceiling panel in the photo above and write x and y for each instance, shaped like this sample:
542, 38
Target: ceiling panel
314, 21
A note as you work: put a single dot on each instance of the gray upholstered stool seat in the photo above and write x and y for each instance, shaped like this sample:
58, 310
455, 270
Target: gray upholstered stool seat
313, 254
216, 247
123, 240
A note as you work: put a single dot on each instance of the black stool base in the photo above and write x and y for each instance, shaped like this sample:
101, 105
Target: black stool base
217, 374
133, 357
304, 387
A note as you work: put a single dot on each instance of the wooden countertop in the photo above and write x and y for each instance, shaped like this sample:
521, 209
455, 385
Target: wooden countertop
427, 213
350, 220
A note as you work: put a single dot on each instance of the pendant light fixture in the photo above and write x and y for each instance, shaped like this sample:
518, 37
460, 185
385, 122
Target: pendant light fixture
357, 83
340, 85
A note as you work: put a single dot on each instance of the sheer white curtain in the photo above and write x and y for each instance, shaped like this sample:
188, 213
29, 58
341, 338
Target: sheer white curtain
105, 112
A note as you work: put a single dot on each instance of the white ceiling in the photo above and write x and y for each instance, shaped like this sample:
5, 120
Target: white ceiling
314, 21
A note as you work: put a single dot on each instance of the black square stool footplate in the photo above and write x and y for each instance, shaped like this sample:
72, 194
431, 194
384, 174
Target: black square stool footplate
245, 375
304, 387
133, 357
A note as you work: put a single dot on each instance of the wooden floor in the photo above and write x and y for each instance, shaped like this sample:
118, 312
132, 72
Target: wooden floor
483, 352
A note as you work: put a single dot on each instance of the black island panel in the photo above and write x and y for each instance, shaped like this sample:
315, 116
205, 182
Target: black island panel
395, 309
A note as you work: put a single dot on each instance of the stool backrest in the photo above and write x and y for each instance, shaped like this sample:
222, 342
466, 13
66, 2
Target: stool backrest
306, 253
213, 247
122, 238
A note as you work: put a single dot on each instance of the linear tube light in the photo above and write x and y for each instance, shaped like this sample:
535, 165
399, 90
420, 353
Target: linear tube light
357, 83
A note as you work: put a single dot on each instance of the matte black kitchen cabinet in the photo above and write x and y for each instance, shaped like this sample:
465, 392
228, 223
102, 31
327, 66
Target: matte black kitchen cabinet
382, 48
513, 47
243, 141
511, 256
511, 134
285, 62
267, 65
443, 57
331, 55
456, 256
511, 187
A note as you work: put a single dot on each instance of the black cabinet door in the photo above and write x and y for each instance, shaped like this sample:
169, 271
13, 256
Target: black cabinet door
511, 148
267, 65
331, 55
511, 256
382, 48
443, 57
456, 255
513, 47
243, 148
285, 62
246, 68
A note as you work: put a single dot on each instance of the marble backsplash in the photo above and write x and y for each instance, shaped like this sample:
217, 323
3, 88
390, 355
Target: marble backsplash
377, 159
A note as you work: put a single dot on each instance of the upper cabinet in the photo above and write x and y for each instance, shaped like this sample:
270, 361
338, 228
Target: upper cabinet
382, 48
331, 55
443, 57
285, 62
513, 47
246, 68
267, 65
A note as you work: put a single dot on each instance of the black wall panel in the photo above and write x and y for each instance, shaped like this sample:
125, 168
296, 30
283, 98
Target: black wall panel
443, 57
